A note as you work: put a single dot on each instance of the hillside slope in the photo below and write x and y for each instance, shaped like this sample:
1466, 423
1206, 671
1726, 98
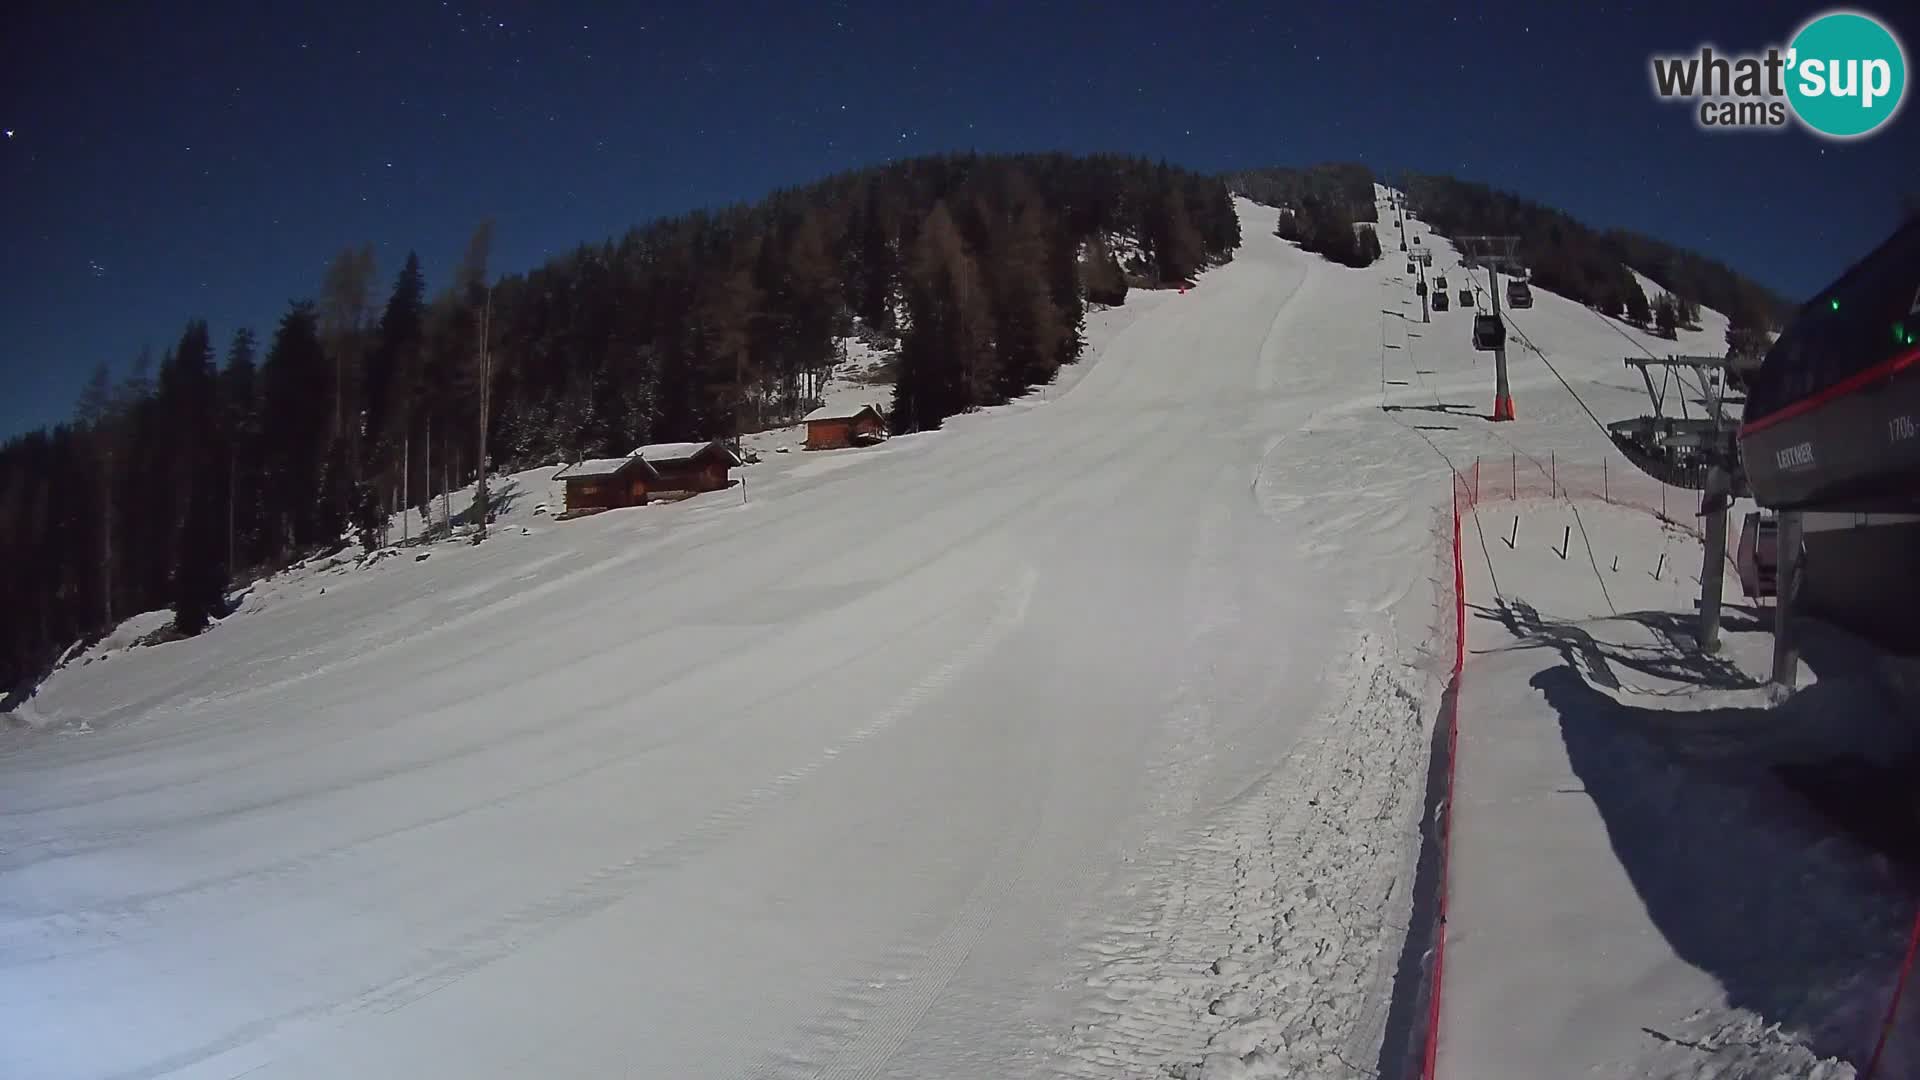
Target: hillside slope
831, 777
699, 326
1086, 736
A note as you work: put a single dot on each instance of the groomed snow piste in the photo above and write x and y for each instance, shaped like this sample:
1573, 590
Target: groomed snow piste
1087, 736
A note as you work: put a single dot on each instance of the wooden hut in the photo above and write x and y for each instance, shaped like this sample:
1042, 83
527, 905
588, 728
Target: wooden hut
832, 427
606, 483
688, 466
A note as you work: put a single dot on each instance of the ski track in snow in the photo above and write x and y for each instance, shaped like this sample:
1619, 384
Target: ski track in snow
1270, 940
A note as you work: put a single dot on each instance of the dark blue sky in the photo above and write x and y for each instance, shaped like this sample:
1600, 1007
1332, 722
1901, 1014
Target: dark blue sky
206, 159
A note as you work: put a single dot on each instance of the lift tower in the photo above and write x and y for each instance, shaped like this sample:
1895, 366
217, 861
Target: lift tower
1696, 452
1496, 253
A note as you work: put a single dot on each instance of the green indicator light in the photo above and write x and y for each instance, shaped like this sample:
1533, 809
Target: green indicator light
1834, 303
1899, 333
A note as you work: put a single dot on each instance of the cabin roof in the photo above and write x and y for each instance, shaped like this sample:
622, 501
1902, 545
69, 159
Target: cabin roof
595, 468
839, 412
675, 453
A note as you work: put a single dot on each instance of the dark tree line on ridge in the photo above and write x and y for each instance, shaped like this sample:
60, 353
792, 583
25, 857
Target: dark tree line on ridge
1348, 185
1326, 209
182, 476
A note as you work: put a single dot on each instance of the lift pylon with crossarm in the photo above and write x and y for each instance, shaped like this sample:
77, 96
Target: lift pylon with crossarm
1697, 452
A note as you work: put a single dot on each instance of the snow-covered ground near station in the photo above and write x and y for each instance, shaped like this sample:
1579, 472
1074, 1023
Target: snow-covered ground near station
1620, 820
1087, 736
1619, 816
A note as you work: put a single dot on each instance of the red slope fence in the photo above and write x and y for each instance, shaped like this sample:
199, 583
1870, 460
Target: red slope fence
1521, 477
1893, 1006
1462, 488
1550, 476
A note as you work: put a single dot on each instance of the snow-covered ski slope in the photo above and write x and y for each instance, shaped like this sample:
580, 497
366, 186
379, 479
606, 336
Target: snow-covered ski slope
1084, 737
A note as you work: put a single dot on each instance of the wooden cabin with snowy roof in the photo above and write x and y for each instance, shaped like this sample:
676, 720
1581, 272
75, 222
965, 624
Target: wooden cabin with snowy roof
832, 427
688, 466
606, 483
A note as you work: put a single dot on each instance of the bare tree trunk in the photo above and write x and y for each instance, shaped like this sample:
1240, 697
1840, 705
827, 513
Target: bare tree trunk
106, 539
486, 387
233, 467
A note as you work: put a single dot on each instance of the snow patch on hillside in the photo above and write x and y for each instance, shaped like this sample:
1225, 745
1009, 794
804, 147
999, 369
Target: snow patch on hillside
1128, 251
125, 636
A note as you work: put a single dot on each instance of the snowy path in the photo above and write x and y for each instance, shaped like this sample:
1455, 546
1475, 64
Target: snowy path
1534, 866
850, 780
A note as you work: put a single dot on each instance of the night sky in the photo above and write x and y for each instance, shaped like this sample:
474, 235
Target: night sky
206, 159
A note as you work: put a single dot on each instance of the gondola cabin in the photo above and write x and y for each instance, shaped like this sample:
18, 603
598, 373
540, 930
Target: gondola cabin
1488, 332
1519, 294
1833, 414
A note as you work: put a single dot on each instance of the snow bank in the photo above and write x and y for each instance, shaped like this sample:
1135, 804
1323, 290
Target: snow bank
116, 642
123, 636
